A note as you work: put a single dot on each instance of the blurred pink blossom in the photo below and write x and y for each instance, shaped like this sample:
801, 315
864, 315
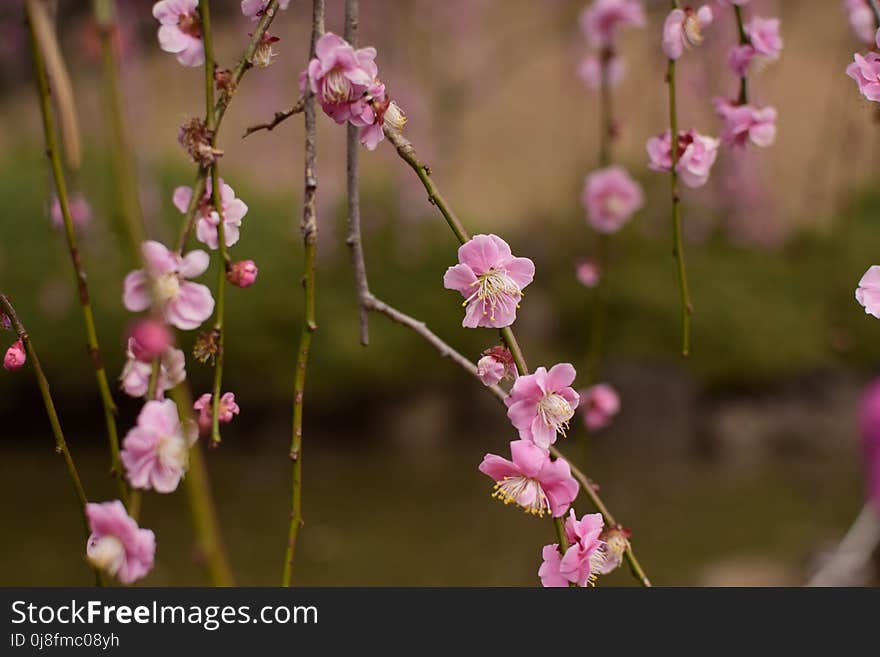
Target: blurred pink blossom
696, 155
866, 72
739, 58
600, 404
491, 279
138, 368
495, 365
180, 30
155, 452
152, 337
80, 212
588, 273
764, 36
861, 19
745, 123
117, 546
868, 291
531, 479
234, 210
683, 28
183, 303
590, 71
540, 405
611, 197
602, 19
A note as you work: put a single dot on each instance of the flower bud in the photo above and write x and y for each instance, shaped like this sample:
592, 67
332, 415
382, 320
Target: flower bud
394, 118
495, 365
5, 322
242, 273
152, 338
15, 357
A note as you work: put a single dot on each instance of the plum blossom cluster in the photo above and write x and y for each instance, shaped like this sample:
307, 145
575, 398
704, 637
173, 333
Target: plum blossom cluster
346, 84
601, 24
540, 405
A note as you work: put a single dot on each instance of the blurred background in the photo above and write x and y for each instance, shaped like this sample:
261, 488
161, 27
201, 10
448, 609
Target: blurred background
740, 465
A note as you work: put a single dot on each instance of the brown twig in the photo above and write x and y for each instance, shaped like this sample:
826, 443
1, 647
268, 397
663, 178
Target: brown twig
279, 117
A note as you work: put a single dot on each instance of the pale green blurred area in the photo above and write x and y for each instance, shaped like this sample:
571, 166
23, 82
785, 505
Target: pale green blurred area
737, 466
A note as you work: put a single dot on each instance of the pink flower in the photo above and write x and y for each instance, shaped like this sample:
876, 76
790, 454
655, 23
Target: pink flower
869, 425
491, 279
183, 303
254, 9
15, 356
80, 212
226, 411
339, 75
117, 546
861, 19
610, 197
234, 210
138, 368
683, 28
764, 36
242, 273
601, 20
155, 453
590, 71
531, 479
744, 123
868, 292
153, 338
495, 365
549, 570
866, 72
588, 273
615, 542
601, 403
540, 405
696, 155
584, 557
739, 58
180, 31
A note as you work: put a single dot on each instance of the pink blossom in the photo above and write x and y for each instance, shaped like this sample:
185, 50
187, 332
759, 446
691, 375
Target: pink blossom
254, 9
152, 337
155, 453
117, 546
588, 273
15, 356
866, 72
869, 425
696, 155
183, 303
227, 409
601, 403
610, 197
80, 212
549, 570
180, 30
764, 36
739, 58
540, 405
583, 558
234, 210
138, 368
590, 71
490, 279
496, 364
868, 292
531, 479
861, 19
242, 273
683, 28
601, 20
744, 123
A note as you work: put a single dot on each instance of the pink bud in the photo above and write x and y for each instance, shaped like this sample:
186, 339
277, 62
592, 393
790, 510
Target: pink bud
5, 322
152, 339
242, 273
15, 357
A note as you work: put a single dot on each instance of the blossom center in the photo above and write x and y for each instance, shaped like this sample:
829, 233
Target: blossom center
614, 205
496, 288
171, 451
337, 87
524, 491
167, 286
693, 32
189, 25
107, 554
555, 411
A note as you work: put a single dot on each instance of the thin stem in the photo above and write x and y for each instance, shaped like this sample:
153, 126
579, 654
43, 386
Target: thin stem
244, 63
875, 7
606, 111
678, 247
309, 231
208, 40
277, 118
60, 442
743, 40
560, 534
353, 238
78, 270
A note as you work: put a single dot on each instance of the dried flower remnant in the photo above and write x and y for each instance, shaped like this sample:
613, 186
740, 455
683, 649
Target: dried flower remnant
531, 479
265, 54
207, 346
614, 544
195, 138
117, 546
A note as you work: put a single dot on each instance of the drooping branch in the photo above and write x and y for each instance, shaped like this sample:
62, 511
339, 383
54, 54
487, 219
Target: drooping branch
309, 232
